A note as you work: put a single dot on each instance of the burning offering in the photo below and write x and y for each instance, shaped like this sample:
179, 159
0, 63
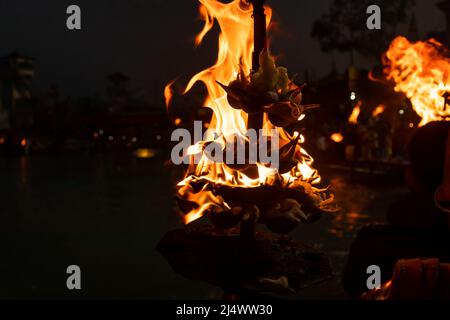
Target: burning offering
267, 176
248, 168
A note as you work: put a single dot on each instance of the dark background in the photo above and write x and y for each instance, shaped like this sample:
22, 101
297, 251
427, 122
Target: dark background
152, 41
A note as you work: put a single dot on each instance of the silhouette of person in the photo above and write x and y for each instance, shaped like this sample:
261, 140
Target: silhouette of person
415, 226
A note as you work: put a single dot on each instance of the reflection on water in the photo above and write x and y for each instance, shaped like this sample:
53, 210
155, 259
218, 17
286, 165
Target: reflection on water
347, 222
23, 172
107, 212
353, 199
103, 212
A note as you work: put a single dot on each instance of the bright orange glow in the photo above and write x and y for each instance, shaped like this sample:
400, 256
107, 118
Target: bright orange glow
421, 70
353, 119
378, 110
144, 153
337, 137
23, 142
177, 121
234, 60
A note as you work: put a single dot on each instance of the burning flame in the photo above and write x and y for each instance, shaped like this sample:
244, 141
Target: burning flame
234, 58
353, 119
421, 70
378, 110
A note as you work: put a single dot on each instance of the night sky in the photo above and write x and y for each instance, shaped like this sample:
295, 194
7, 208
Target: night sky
151, 41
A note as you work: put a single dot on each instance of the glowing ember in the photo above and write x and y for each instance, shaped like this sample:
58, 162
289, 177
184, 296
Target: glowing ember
230, 76
353, 119
421, 70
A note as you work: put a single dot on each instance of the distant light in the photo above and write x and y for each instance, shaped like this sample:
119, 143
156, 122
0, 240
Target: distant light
110, 138
124, 138
302, 116
134, 139
378, 110
158, 137
411, 125
177, 121
144, 153
337, 137
95, 135
100, 132
353, 96
401, 111
2, 140
23, 142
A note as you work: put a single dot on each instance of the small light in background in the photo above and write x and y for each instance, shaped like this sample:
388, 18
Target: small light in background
401, 111
110, 138
134, 139
177, 121
144, 153
353, 96
95, 135
411, 125
158, 137
124, 138
2, 140
378, 110
100, 132
337, 137
23, 142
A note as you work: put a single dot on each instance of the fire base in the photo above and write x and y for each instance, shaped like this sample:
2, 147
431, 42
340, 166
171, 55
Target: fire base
267, 263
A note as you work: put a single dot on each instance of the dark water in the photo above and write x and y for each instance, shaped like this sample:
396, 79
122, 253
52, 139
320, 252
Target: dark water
106, 213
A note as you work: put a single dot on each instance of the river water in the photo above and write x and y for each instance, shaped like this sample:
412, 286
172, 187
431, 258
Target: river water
106, 213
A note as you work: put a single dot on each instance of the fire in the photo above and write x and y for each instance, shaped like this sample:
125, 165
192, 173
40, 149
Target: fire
168, 93
421, 70
378, 110
353, 119
234, 61
337, 137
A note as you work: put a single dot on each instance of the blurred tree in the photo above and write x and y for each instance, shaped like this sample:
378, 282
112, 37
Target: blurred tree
343, 28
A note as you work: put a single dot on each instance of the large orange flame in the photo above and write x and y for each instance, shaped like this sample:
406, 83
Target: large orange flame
422, 71
234, 58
